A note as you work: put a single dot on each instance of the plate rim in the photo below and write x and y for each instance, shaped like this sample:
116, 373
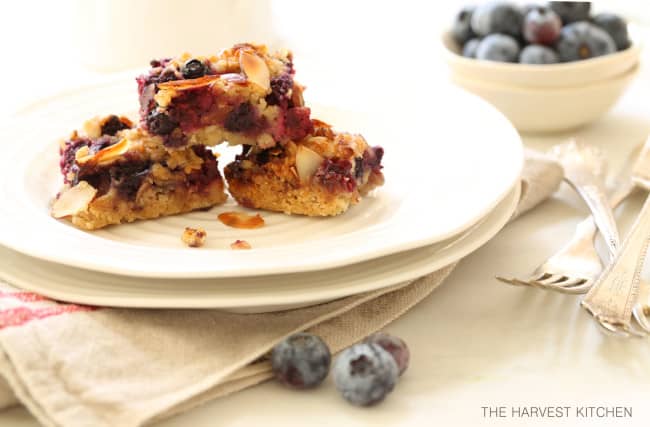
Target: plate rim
452, 252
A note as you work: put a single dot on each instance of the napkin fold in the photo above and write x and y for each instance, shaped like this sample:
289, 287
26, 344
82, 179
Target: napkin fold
72, 365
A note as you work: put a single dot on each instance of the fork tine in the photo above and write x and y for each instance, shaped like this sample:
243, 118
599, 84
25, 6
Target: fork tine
612, 330
556, 282
639, 315
635, 332
538, 277
624, 331
574, 287
551, 280
567, 283
513, 281
575, 282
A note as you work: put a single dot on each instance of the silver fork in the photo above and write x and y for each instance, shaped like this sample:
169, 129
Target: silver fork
614, 299
575, 267
615, 295
641, 310
584, 170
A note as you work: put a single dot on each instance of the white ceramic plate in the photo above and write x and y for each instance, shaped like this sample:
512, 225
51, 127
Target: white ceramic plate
248, 294
447, 164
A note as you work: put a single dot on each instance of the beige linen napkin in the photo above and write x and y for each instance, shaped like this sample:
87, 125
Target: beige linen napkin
78, 366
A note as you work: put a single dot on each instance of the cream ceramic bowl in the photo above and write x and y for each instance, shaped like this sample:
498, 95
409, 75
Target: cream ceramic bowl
546, 98
539, 109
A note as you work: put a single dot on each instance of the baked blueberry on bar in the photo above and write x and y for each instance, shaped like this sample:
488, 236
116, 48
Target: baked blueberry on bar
114, 173
322, 174
244, 95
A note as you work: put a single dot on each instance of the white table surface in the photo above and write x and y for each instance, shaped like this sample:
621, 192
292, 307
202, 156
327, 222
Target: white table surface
476, 342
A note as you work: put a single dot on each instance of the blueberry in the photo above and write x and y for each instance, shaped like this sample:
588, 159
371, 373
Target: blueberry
112, 125
497, 17
242, 118
395, 346
128, 178
571, 11
280, 87
160, 123
542, 26
615, 27
538, 54
461, 31
193, 69
102, 142
167, 75
498, 47
582, 40
365, 373
301, 361
469, 50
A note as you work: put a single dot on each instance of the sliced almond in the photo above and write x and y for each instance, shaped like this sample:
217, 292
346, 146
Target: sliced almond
82, 153
255, 69
307, 162
234, 78
73, 200
106, 155
179, 85
241, 220
92, 128
240, 244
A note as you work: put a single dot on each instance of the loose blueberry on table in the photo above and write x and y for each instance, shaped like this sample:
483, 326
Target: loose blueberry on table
301, 361
365, 373
537, 34
395, 346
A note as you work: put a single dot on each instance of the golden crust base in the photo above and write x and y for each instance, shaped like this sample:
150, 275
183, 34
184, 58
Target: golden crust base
152, 202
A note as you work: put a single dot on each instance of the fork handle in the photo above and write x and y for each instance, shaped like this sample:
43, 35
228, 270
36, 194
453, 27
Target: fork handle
601, 211
614, 294
585, 231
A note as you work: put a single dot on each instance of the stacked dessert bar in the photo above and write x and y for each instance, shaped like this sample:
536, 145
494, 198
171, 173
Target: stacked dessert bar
115, 172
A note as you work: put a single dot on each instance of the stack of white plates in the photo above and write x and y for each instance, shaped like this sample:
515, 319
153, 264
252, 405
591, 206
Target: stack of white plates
452, 171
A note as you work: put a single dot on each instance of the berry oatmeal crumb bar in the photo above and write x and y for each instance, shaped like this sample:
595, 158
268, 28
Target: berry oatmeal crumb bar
114, 173
322, 174
244, 95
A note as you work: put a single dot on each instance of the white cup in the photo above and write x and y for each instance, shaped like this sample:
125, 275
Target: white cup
112, 35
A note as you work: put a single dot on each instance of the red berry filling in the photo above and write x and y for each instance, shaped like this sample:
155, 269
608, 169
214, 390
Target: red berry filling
336, 175
196, 108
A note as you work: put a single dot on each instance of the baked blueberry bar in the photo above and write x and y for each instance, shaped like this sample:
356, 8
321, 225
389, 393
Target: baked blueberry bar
322, 174
114, 173
244, 95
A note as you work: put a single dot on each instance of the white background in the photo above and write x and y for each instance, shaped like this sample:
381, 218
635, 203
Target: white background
475, 342
49, 45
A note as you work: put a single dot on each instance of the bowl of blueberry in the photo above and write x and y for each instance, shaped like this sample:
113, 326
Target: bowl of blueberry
548, 67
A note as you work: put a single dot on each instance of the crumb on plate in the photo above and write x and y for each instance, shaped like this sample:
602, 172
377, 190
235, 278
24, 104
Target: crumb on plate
194, 237
240, 244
